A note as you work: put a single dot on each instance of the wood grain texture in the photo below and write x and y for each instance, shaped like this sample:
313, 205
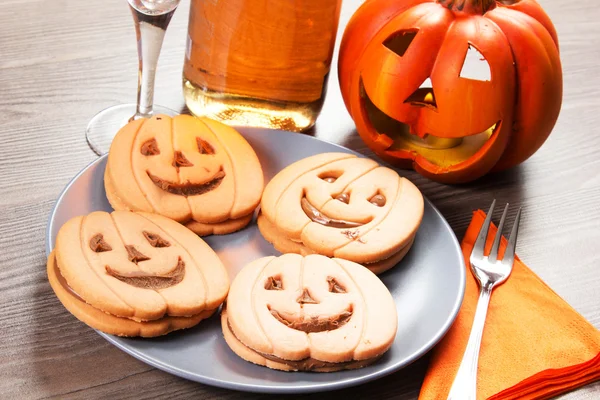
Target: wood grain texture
62, 61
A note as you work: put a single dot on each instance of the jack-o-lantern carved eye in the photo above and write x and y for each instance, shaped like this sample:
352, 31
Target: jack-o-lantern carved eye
475, 66
150, 148
204, 147
98, 244
399, 41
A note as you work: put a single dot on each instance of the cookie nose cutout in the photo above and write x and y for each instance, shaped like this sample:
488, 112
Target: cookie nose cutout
306, 298
344, 198
134, 255
179, 160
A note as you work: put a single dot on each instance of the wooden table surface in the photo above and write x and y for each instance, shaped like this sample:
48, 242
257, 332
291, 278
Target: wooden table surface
62, 61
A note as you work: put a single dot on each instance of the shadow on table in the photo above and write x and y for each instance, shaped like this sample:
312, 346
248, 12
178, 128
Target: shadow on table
64, 355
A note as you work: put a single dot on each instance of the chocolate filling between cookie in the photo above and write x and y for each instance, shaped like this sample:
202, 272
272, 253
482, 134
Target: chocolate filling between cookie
353, 234
305, 364
63, 283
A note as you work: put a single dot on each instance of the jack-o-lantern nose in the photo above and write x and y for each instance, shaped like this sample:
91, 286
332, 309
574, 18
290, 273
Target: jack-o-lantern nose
423, 96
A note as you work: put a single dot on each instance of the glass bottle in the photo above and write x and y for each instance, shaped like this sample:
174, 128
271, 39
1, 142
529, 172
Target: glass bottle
259, 62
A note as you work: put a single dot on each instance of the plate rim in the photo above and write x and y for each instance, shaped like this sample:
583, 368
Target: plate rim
291, 389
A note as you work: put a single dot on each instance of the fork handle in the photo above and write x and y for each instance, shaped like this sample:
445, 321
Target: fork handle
464, 386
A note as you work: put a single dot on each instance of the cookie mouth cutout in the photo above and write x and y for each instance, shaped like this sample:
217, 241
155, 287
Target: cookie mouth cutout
320, 217
439, 151
188, 188
145, 280
309, 324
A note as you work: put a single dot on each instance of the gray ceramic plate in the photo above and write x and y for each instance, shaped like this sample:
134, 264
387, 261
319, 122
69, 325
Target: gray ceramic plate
428, 287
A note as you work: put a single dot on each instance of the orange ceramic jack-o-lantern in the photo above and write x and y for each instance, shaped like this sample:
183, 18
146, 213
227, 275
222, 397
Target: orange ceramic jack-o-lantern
452, 88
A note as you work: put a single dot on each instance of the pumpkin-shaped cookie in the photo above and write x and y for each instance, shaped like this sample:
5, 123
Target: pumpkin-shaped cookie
194, 170
308, 313
340, 205
148, 273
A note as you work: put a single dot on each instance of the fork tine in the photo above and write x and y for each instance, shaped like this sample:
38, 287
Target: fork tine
509, 254
493, 256
483, 232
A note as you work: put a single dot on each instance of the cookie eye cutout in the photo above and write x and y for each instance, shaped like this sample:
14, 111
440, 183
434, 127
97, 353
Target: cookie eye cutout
331, 176
98, 244
400, 41
204, 147
334, 286
155, 240
274, 283
378, 200
475, 67
150, 148
134, 255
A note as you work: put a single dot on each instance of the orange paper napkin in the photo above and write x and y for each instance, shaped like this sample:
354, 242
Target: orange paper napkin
535, 346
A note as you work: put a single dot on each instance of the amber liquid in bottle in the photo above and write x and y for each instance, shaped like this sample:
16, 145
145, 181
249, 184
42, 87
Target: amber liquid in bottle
259, 62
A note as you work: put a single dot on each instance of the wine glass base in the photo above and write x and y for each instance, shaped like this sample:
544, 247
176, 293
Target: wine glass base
101, 129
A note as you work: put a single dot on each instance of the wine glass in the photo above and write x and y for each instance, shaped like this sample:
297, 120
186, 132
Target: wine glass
151, 18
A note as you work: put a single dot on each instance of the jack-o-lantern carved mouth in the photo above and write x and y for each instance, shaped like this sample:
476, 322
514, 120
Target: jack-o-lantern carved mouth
440, 151
321, 218
188, 188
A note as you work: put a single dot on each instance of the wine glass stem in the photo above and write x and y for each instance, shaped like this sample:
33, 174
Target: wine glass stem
150, 32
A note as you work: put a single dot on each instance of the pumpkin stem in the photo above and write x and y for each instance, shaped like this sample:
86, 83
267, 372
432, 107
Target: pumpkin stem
469, 6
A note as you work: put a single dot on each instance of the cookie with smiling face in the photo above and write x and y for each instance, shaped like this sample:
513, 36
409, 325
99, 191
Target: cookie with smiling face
343, 206
308, 313
196, 171
135, 274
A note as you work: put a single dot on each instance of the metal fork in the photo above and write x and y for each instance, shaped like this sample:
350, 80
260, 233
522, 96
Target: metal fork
489, 272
